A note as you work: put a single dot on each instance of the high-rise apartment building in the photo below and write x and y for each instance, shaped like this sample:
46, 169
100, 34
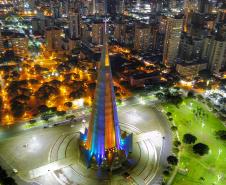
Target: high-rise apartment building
120, 6
172, 4
191, 5
55, 10
119, 32
86, 31
20, 44
38, 25
214, 51
190, 47
206, 47
100, 7
53, 38
1, 42
221, 15
162, 24
97, 33
74, 27
142, 39
93, 7
204, 6
111, 6
172, 39
217, 55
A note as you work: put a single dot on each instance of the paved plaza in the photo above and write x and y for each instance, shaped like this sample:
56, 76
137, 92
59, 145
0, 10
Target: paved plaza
52, 156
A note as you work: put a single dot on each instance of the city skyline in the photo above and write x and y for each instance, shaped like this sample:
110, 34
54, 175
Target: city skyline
112, 92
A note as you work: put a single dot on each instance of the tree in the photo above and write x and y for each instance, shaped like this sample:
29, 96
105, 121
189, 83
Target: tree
189, 139
166, 172
117, 94
200, 149
169, 168
9, 181
68, 104
70, 117
169, 114
3, 173
200, 97
221, 134
17, 108
15, 75
45, 91
119, 101
55, 83
21, 98
33, 81
46, 117
52, 109
43, 108
9, 55
116, 88
160, 96
77, 94
92, 86
177, 143
175, 99
63, 67
61, 113
172, 160
190, 94
175, 150
32, 121
4, 179
174, 128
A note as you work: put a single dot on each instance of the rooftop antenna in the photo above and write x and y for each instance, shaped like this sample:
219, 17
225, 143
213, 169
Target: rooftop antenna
106, 19
105, 24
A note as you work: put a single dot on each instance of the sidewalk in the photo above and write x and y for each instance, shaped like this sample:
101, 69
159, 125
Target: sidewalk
9, 171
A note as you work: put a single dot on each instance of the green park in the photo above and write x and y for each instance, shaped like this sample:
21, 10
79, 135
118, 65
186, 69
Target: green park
197, 119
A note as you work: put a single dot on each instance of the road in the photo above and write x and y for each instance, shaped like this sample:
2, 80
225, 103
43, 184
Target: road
15, 129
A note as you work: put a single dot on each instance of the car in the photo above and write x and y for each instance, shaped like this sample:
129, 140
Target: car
15, 171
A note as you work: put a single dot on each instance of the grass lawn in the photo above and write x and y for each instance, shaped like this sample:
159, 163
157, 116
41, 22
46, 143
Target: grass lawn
212, 167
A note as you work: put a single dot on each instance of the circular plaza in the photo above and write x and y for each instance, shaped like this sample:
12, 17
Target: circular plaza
57, 149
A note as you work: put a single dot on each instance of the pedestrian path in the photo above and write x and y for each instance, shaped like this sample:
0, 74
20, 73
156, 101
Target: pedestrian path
50, 167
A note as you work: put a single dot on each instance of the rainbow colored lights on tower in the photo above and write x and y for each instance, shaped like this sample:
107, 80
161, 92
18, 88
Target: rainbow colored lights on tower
102, 142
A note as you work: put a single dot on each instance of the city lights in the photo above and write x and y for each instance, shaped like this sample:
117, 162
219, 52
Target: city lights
112, 92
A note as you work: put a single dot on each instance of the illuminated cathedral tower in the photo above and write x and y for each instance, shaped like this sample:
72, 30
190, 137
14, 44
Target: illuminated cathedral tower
102, 143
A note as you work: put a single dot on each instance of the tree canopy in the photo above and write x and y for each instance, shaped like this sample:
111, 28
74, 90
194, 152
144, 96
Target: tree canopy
221, 134
200, 149
172, 160
189, 139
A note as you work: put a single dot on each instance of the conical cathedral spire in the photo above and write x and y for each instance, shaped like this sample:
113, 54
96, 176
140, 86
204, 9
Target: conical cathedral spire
102, 141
